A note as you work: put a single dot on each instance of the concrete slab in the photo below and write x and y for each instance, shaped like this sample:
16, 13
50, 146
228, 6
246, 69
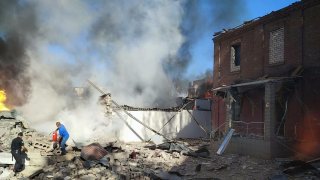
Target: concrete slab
31, 171
34, 159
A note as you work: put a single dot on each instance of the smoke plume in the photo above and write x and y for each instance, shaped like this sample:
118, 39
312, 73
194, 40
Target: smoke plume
200, 19
17, 27
120, 45
136, 50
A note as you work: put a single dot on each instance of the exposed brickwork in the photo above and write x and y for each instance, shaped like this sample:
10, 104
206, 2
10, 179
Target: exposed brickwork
301, 36
276, 46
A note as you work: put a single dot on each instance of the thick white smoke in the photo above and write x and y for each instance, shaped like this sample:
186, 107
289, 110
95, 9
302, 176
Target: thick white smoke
121, 45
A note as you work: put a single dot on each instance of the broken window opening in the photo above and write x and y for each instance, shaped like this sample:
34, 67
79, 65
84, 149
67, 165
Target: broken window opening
282, 98
235, 110
235, 57
245, 124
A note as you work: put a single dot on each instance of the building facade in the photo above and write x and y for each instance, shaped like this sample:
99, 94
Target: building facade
267, 83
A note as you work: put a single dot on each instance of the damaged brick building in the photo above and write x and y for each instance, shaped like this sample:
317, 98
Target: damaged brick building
267, 83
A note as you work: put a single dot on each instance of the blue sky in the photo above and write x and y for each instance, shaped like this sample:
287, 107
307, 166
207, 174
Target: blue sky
202, 50
201, 43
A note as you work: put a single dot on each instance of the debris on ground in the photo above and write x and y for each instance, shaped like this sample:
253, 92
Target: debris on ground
178, 159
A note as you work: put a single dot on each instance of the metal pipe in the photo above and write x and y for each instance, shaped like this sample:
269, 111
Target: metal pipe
127, 124
205, 130
174, 115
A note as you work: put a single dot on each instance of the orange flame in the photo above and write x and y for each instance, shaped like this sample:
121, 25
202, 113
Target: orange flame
309, 143
3, 98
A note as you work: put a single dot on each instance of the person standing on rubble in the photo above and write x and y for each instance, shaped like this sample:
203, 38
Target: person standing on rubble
63, 137
17, 150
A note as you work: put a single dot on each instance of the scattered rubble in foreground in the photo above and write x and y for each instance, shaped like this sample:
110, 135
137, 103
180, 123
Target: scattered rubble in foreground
183, 159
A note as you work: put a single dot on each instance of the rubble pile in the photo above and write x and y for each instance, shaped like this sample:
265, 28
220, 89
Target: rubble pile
38, 145
9, 128
180, 159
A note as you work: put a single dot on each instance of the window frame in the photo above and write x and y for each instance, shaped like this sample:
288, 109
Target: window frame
233, 66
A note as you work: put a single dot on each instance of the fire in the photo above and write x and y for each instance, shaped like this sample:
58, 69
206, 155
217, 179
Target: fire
309, 137
3, 98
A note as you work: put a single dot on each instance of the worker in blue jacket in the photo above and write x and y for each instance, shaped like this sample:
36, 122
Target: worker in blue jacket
63, 137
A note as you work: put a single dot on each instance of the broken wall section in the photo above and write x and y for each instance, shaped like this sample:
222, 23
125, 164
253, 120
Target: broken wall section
181, 126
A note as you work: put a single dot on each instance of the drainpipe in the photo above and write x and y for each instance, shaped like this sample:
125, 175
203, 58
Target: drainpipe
219, 75
302, 37
219, 63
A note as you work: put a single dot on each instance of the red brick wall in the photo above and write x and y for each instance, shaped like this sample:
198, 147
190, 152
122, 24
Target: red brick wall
301, 47
311, 37
219, 113
255, 51
251, 65
292, 44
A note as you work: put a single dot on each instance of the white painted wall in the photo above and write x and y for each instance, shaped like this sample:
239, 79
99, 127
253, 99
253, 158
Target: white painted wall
181, 126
